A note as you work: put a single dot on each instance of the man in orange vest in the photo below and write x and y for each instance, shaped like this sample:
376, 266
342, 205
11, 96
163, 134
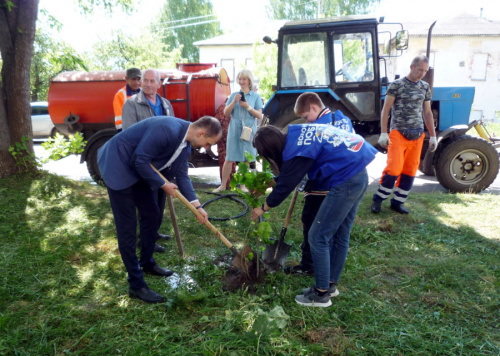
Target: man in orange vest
133, 78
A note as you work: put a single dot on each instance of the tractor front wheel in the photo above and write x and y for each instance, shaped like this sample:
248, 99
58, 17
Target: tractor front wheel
467, 165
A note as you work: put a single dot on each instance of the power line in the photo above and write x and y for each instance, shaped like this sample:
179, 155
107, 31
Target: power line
186, 19
187, 25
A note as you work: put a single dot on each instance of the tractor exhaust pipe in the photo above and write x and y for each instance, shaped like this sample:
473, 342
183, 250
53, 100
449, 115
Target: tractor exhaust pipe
429, 76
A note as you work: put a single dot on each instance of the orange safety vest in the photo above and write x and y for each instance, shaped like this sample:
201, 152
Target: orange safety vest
118, 101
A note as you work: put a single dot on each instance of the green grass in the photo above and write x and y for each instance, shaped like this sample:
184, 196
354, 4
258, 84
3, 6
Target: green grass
425, 284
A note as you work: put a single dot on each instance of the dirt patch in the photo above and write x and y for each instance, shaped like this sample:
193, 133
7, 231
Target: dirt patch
385, 225
236, 279
332, 339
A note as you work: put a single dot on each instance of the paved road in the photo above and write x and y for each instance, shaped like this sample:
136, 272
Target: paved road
70, 167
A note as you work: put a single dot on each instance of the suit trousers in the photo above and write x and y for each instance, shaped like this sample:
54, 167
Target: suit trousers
124, 204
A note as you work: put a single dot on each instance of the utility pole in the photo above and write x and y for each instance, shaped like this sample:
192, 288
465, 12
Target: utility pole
320, 9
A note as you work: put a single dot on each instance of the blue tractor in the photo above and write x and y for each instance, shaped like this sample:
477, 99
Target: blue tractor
344, 60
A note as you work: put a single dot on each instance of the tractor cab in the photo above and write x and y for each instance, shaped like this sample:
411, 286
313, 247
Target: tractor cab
338, 58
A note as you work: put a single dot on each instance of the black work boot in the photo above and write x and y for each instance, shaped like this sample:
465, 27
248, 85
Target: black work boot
376, 206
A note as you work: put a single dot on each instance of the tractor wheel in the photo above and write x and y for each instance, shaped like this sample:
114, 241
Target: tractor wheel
91, 159
467, 164
287, 117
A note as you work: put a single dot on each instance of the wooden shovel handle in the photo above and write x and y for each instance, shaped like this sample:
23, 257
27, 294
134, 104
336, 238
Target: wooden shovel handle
290, 208
183, 199
177, 233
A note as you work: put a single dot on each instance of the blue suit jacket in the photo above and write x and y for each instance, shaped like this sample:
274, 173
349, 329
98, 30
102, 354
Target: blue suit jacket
125, 159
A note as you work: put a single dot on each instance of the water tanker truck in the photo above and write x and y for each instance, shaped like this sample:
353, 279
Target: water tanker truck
83, 102
344, 60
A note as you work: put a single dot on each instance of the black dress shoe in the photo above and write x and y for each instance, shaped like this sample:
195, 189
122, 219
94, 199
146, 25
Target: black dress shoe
399, 208
376, 206
146, 295
158, 271
163, 237
160, 248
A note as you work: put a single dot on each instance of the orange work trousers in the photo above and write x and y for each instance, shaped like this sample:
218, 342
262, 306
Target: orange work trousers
403, 156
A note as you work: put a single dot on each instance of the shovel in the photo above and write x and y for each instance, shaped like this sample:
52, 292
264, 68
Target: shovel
274, 256
241, 259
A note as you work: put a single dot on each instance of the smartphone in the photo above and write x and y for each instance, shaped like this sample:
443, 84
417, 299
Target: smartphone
242, 96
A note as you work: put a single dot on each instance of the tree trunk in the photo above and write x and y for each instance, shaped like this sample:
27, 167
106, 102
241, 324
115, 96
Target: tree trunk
17, 35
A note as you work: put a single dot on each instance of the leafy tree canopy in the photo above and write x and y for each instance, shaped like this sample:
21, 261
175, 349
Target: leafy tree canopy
183, 22
143, 51
303, 10
49, 59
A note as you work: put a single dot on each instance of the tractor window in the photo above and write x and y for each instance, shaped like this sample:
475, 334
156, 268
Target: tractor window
353, 57
305, 60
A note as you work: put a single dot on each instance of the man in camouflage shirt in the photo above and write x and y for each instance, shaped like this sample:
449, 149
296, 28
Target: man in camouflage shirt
405, 99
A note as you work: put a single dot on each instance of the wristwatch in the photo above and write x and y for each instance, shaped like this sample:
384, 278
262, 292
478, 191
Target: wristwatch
263, 209
249, 108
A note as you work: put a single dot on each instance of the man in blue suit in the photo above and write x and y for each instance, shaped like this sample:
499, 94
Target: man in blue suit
124, 163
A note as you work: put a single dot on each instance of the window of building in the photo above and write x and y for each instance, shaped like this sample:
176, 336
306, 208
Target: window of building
228, 65
479, 63
249, 64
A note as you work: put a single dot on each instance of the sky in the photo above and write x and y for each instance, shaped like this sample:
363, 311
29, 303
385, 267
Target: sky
82, 31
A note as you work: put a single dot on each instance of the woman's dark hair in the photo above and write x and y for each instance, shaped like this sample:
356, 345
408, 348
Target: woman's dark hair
270, 143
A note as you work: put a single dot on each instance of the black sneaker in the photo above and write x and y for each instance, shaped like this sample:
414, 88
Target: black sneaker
312, 299
299, 269
333, 291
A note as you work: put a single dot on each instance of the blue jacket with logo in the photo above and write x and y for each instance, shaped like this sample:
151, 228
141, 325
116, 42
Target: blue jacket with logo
327, 154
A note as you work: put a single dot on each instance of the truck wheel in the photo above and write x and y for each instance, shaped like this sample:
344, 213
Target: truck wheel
467, 164
91, 159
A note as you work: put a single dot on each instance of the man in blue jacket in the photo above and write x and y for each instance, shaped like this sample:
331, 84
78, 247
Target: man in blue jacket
124, 163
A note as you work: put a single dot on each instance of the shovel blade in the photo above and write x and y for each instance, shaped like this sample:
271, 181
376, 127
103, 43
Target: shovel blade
274, 256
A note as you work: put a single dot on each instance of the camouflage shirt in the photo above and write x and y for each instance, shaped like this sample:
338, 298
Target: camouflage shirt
406, 112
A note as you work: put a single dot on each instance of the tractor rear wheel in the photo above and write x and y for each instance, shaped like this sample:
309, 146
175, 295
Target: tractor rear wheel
467, 164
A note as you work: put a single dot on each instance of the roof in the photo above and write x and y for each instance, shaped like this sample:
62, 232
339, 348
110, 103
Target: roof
326, 20
462, 25
244, 37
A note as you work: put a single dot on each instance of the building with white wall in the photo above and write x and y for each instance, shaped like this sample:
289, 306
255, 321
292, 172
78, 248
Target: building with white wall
234, 51
465, 51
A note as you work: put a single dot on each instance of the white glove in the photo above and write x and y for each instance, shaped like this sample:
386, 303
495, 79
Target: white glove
433, 143
383, 140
